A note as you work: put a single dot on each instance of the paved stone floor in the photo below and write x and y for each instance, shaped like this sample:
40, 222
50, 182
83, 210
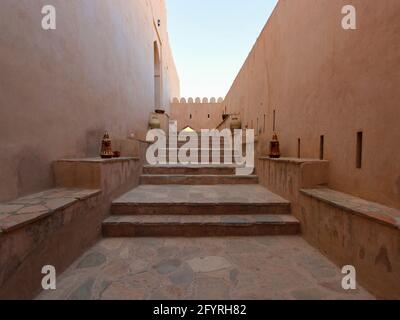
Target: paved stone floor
206, 268
252, 194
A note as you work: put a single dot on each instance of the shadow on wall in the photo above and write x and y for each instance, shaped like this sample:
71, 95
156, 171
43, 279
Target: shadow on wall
397, 186
33, 171
33, 167
93, 142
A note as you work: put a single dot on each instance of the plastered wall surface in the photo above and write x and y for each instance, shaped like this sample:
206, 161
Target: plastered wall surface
197, 113
323, 80
61, 89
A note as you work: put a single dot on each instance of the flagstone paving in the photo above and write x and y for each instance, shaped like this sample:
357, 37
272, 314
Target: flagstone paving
281, 267
193, 194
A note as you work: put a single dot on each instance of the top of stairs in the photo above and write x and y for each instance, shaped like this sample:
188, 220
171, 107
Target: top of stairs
199, 200
193, 194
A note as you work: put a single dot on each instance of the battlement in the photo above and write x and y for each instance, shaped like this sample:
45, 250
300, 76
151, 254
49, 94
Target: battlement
197, 100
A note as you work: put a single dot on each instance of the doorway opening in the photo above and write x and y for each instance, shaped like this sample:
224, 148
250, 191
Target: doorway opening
157, 76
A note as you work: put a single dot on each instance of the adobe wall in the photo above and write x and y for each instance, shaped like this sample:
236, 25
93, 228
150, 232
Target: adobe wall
61, 89
197, 113
323, 80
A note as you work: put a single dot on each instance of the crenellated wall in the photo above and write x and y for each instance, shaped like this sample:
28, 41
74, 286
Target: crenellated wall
313, 78
197, 113
61, 89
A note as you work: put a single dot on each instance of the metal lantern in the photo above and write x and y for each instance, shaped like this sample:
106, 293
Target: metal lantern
106, 150
274, 150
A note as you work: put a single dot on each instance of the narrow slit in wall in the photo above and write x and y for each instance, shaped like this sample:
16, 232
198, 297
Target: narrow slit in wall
359, 149
322, 147
264, 124
299, 148
274, 122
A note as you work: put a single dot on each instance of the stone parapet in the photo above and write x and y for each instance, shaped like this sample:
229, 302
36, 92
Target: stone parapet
56, 226
197, 100
53, 228
286, 176
96, 173
347, 229
353, 231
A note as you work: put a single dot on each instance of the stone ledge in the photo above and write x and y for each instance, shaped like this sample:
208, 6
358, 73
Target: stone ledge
94, 173
27, 210
100, 160
293, 160
286, 176
240, 220
370, 210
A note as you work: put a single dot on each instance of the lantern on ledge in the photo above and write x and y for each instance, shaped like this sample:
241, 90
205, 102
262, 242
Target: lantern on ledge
106, 150
274, 149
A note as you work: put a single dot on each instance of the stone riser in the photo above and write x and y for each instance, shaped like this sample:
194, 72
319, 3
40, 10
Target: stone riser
198, 230
219, 154
188, 170
220, 145
220, 160
196, 179
198, 209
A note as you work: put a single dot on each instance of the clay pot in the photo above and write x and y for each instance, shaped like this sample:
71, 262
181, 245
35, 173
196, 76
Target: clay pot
154, 122
236, 124
160, 110
116, 154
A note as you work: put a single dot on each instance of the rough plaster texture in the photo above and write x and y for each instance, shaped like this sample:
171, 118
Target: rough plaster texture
323, 80
61, 89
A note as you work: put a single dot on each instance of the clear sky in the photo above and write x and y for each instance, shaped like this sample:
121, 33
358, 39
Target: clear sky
211, 40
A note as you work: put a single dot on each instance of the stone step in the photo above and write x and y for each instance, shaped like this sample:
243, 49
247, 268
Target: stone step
220, 144
197, 208
190, 169
218, 155
219, 151
198, 162
200, 199
200, 225
165, 179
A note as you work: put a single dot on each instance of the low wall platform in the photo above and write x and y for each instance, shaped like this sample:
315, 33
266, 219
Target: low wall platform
56, 226
345, 228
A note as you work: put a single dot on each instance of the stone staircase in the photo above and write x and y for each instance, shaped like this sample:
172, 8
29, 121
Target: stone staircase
199, 201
